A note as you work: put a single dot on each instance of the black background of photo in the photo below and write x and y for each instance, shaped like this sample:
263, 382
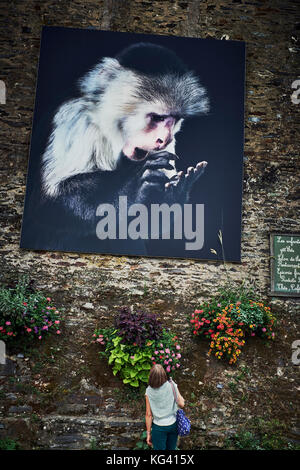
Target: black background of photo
217, 137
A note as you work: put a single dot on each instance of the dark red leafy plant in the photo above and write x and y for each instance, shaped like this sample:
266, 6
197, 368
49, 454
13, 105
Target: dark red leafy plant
137, 328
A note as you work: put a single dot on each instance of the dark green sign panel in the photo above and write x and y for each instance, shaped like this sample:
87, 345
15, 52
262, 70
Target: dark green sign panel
285, 264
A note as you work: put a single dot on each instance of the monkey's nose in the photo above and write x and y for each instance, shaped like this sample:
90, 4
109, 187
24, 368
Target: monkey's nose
161, 144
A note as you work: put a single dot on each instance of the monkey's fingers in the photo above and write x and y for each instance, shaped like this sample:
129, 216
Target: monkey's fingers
184, 182
194, 173
158, 163
200, 168
154, 176
163, 154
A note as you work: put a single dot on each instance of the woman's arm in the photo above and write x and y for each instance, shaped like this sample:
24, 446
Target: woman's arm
180, 399
148, 419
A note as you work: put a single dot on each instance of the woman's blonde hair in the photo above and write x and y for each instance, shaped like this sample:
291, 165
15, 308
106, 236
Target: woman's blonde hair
157, 376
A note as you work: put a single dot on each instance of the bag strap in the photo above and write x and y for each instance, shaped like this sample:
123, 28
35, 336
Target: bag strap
174, 391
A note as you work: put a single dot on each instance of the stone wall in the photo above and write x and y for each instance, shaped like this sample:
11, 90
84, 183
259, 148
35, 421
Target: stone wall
79, 397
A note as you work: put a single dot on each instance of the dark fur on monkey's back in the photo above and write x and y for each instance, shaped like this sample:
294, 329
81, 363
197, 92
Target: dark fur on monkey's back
151, 59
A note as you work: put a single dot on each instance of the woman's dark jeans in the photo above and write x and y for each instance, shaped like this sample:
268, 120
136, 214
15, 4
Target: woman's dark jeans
164, 437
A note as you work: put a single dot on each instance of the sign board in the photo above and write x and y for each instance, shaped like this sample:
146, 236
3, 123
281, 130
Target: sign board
285, 264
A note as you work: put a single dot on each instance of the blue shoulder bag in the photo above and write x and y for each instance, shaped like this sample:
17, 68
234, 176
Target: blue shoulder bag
183, 423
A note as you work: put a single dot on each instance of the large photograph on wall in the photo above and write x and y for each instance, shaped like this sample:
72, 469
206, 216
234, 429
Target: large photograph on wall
137, 146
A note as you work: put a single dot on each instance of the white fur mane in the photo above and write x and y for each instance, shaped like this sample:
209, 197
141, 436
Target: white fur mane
81, 139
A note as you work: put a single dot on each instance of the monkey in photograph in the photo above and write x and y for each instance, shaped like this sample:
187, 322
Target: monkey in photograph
118, 139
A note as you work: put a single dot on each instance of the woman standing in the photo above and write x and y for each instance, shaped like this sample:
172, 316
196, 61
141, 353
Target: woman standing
161, 410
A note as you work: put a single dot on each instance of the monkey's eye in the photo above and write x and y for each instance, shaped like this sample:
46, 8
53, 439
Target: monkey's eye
157, 118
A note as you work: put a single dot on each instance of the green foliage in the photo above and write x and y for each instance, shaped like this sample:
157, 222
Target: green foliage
133, 361
247, 441
94, 445
142, 444
9, 444
263, 435
232, 294
26, 314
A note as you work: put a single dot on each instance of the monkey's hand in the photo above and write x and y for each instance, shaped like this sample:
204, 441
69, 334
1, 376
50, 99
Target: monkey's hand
153, 180
179, 187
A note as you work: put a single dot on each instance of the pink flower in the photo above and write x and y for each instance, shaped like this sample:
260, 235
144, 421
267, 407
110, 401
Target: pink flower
155, 352
177, 347
177, 365
252, 334
178, 356
1, 328
168, 351
219, 305
40, 337
132, 357
58, 332
168, 369
263, 329
166, 362
7, 323
48, 298
57, 322
94, 335
28, 330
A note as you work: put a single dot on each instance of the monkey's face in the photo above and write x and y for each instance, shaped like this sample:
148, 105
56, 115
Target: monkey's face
157, 133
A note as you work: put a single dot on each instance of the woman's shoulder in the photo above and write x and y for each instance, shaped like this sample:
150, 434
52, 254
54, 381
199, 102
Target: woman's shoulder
172, 382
